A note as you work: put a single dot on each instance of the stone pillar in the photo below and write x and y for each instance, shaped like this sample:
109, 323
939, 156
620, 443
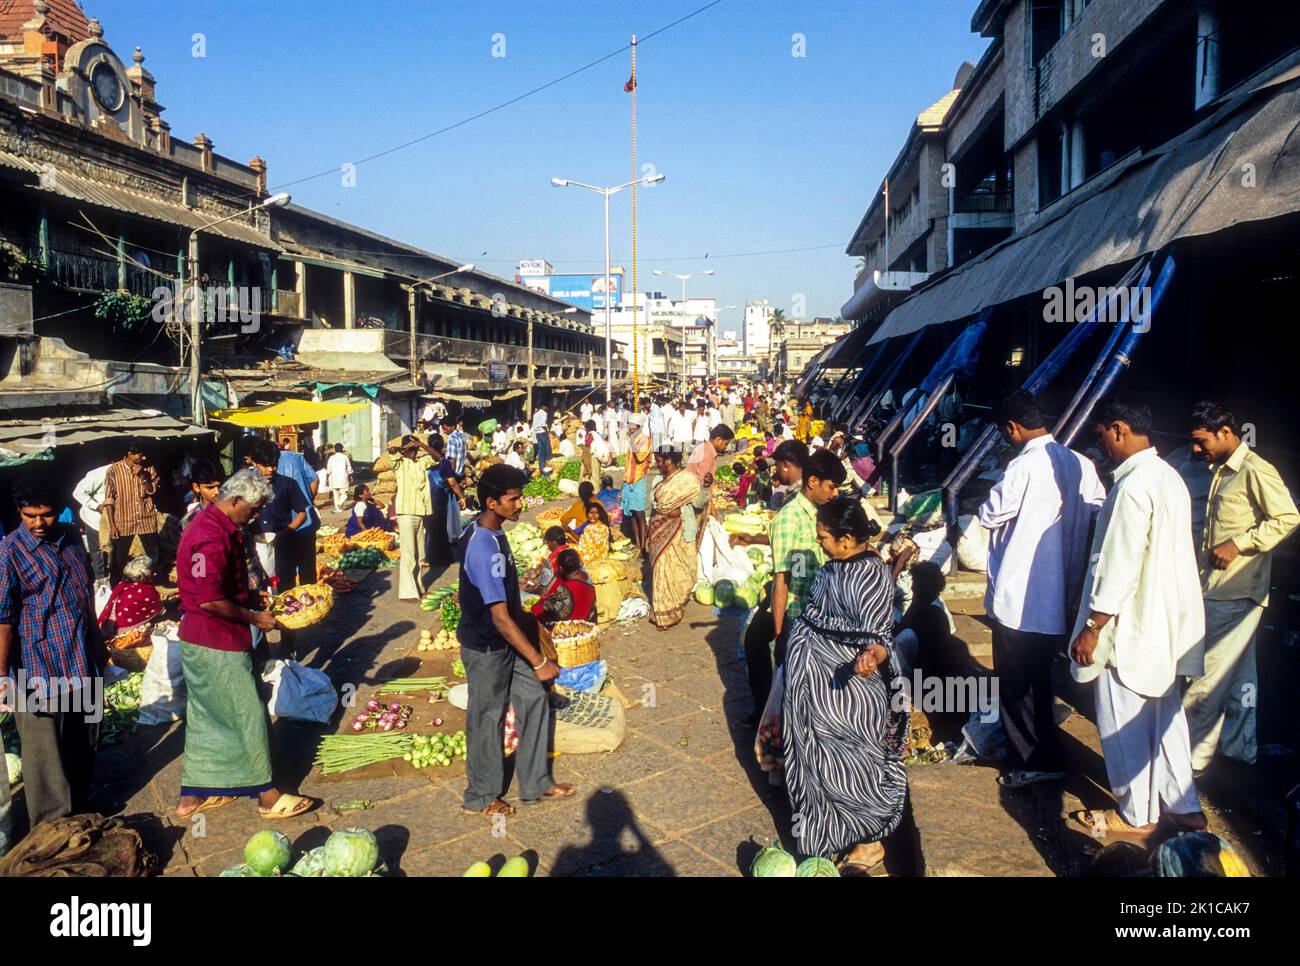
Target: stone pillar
1207, 54
349, 300
300, 287
1078, 160
204, 144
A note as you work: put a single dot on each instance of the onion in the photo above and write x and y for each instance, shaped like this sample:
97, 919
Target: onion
372, 705
395, 707
358, 726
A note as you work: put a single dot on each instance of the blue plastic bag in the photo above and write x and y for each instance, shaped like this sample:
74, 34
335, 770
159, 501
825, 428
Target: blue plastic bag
585, 677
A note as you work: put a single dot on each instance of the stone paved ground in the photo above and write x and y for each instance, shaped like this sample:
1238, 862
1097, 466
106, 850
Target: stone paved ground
682, 795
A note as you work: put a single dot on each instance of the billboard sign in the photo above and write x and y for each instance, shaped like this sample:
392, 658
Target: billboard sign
585, 291
535, 266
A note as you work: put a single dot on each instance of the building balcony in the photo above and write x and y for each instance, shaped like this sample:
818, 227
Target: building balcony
93, 273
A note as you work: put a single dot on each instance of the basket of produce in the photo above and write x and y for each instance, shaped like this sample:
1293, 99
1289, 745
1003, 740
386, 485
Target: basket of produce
575, 643
374, 537
550, 518
362, 558
337, 580
131, 649
303, 606
332, 545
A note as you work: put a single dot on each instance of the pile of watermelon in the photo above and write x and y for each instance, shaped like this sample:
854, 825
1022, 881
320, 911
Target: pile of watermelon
746, 595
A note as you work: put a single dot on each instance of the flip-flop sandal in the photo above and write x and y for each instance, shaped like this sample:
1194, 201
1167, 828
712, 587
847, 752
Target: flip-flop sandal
554, 792
1112, 825
498, 807
851, 868
287, 806
208, 804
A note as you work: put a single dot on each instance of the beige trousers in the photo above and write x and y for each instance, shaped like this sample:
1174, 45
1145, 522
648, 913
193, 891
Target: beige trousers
410, 531
1221, 703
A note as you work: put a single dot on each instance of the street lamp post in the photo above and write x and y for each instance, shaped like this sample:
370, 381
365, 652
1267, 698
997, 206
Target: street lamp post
683, 279
413, 361
198, 415
609, 350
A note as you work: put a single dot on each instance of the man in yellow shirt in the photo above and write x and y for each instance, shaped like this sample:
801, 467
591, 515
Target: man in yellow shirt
1249, 512
411, 461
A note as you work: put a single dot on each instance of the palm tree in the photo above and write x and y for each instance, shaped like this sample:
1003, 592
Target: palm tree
776, 325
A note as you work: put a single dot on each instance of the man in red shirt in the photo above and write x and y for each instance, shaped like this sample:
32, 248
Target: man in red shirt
227, 751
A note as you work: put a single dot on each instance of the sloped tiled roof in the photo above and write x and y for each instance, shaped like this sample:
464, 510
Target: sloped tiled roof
64, 17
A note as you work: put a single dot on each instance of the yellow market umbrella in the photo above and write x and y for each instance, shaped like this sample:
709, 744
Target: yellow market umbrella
290, 412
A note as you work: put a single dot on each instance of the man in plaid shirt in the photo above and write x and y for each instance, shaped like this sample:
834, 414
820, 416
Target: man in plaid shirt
455, 444
48, 630
796, 555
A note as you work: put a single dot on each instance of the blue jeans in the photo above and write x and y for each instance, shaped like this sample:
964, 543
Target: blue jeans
543, 450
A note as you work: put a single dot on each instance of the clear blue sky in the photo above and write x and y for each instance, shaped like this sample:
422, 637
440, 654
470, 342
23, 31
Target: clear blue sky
762, 150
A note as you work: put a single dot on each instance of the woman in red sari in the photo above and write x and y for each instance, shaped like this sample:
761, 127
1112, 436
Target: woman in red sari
571, 597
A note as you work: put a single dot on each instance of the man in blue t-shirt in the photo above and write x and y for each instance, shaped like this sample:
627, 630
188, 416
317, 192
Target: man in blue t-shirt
302, 560
503, 664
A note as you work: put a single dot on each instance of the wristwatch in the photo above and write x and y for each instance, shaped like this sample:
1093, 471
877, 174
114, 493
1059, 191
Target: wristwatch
1092, 625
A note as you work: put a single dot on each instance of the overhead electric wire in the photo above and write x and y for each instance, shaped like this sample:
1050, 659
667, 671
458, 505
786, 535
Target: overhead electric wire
498, 107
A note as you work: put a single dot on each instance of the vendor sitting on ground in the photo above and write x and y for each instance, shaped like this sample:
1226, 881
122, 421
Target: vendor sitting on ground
540, 576
365, 514
593, 545
134, 601
608, 495
573, 519
570, 597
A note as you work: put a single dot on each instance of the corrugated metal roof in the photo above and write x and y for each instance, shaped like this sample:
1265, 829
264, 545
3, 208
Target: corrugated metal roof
29, 436
79, 188
18, 161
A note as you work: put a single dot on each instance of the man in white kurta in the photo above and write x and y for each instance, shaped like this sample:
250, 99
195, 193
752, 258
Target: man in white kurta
1038, 517
1141, 626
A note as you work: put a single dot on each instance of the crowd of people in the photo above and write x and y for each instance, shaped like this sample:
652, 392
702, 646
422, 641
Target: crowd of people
1157, 614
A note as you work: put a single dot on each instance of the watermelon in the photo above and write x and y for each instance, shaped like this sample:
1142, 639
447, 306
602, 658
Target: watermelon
704, 595
351, 853
479, 870
268, 852
816, 868
773, 862
724, 593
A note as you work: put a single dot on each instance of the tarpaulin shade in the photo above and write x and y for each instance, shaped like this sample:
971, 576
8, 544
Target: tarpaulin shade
34, 438
290, 412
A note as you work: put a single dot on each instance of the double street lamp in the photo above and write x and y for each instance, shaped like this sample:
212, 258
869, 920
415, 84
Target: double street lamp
683, 279
609, 350
198, 414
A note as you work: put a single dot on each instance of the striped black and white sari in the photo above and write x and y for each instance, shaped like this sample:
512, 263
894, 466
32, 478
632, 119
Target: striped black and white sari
843, 738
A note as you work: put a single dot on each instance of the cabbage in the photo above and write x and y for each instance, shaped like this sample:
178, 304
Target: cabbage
311, 865
352, 853
756, 555
746, 595
15, 766
773, 862
816, 868
704, 595
240, 871
268, 852
724, 592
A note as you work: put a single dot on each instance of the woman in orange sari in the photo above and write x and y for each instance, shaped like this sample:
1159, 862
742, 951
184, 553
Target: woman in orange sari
672, 539
803, 423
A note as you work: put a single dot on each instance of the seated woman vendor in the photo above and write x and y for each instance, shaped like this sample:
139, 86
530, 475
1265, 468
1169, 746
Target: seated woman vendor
365, 513
575, 517
571, 597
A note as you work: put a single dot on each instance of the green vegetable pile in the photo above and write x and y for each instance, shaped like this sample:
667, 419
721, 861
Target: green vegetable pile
526, 544
458, 668
345, 752
450, 616
440, 749
543, 486
349, 853
367, 558
725, 475
434, 598
414, 685
121, 708
571, 470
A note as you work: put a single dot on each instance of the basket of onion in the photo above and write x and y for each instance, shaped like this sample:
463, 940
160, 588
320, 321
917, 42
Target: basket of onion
303, 606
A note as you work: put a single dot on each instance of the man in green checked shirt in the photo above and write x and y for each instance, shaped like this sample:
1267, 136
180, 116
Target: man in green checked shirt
796, 555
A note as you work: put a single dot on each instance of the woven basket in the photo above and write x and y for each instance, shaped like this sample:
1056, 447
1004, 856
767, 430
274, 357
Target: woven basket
324, 595
378, 539
131, 658
576, 651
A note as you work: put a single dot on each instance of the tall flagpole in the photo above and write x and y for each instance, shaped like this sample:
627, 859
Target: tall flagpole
636, 342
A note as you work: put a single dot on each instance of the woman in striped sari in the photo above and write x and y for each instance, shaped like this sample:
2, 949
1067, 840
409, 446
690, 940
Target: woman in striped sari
845, 724
672, 539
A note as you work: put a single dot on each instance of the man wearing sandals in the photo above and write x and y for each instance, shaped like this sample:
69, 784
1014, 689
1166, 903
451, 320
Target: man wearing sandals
504, 666
227, 750
1140, 627
1037, 518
